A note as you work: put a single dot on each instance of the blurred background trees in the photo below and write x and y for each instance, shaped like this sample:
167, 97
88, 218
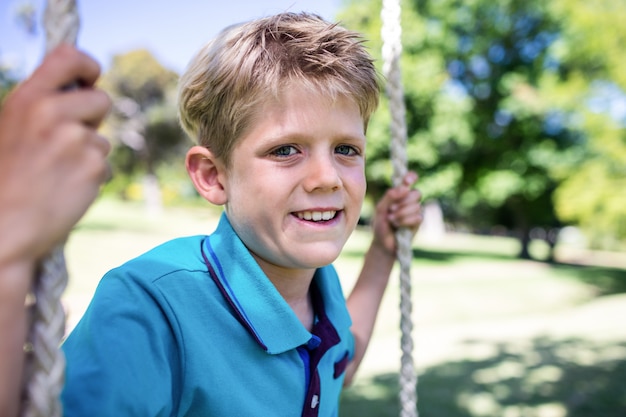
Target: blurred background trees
143, 124
515, 112
25, 18
7, 82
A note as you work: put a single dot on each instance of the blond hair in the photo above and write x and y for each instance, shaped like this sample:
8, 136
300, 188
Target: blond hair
234, 74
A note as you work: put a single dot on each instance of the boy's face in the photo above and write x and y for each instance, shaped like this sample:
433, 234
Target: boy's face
296, 181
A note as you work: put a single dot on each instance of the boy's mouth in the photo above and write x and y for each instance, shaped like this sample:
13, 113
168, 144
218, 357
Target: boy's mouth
316, 216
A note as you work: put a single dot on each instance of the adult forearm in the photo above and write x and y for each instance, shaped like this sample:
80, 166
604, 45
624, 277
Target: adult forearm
15, 282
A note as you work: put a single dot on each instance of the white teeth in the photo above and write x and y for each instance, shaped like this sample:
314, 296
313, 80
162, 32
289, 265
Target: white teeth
327, 215
316, 216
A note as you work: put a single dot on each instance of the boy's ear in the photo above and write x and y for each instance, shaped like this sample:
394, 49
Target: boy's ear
207, 174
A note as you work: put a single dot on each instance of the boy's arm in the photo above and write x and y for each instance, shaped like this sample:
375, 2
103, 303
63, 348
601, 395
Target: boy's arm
399, 207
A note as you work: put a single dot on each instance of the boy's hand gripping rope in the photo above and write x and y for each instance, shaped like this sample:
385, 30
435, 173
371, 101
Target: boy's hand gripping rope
392, 48
45, 364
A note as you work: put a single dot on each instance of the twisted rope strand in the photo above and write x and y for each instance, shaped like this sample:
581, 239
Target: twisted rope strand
61, 23
46, 363
392, 48
45, 366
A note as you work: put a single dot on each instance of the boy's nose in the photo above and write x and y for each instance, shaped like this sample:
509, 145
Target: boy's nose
322, 174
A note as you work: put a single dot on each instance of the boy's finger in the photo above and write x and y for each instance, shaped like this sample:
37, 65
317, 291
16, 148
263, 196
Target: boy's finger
403, 190
410, 178
408, 216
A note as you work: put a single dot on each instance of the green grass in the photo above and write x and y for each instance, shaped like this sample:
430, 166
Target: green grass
494, 335
501, 337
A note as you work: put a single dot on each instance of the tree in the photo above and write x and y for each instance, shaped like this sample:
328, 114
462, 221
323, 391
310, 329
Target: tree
7, 82
25, 17
490, 126
593, 196
143, 124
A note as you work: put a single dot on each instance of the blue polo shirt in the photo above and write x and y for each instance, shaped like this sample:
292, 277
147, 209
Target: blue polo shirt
195, 328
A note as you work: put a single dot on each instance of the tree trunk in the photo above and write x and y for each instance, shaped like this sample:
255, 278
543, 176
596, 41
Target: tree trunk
152, 194
524, 239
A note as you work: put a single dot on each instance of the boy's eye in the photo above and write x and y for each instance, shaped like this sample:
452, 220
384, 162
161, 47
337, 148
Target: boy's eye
286, 150
347, 150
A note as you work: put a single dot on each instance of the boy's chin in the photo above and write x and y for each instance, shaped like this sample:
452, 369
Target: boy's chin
304, 259
313, 258
320, 259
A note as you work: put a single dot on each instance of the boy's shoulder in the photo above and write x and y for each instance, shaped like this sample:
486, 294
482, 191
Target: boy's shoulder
183, 253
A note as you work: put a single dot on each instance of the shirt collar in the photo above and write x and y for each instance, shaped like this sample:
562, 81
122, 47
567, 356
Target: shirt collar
256, 302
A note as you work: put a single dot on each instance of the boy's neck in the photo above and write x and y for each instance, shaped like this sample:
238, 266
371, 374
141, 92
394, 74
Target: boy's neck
294, 287
296, 292
304, 310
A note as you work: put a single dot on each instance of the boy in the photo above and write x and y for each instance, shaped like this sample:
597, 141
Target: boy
251, 320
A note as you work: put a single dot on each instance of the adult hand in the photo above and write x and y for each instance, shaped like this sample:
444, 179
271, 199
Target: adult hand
52, 160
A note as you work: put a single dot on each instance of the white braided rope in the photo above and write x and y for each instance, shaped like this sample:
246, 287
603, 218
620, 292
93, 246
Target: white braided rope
46, 364
392, 49
61, 23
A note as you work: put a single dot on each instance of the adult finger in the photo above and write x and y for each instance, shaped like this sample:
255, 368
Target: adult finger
80, 149
97, 161
87, 106
64, 66
103, 144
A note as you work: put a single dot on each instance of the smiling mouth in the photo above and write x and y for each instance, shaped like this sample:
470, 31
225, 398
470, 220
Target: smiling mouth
316, 216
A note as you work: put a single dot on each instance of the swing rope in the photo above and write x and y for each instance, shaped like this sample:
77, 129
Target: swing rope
45, 364
391, 33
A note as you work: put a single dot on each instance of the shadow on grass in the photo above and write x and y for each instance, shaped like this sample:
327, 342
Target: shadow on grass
608, 280
454, 255
444, 256
573, 378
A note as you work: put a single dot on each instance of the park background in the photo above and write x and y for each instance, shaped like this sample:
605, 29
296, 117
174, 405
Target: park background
515, 114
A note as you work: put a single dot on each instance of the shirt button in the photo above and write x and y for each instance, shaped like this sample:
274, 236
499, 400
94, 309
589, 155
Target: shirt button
315, 401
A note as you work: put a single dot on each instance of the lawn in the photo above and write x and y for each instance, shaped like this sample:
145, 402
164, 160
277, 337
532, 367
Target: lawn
494, 336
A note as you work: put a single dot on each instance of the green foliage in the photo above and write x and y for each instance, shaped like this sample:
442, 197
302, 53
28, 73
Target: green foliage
26, 17
594, 195
139, 75
143, 125
497, 96
8, 80
593, 39
6, 84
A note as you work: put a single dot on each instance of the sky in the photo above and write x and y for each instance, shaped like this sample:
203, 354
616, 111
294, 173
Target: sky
173, 30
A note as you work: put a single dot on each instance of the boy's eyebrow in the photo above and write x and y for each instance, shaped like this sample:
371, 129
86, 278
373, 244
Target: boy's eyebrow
304, 134
296, 136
